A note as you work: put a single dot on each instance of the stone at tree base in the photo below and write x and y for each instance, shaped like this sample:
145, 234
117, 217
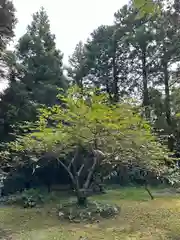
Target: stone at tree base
61, 214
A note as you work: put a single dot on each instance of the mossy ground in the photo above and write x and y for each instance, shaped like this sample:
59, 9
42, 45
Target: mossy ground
140, 218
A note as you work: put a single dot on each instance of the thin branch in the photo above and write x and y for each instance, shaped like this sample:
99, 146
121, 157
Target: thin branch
80, 170
71, 163
68, 171
73, 159
86, 184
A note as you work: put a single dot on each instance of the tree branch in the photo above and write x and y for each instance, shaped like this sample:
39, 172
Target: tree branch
73, 159
71, 163
68, 171
86, 184
80, 170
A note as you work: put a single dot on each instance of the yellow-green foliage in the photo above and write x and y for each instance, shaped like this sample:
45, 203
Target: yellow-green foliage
118, 130
146, 7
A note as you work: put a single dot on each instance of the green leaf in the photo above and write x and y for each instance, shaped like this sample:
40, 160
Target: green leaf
146, 7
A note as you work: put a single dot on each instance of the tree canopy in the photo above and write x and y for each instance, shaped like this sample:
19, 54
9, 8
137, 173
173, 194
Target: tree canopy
112, 134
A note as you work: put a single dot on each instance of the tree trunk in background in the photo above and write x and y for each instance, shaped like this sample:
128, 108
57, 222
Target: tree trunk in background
115, 72
167, 94
145, 85
115, 81
167, 103
108, 90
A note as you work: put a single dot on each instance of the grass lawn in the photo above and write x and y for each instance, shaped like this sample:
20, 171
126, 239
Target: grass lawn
140, 218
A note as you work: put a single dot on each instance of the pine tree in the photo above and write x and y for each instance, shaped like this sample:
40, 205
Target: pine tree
168, 48
35, 73
37, 51
139, 37
107, 60
98, 58
7, 22
78, 65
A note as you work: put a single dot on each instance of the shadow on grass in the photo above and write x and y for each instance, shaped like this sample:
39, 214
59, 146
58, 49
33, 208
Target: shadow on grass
123, 193
172, 236
5, 234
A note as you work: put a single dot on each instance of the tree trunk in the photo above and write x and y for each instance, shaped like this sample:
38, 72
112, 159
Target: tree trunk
145, 86
149, 192
115, 83
81, 193
108, 90
81, 198
115, 72
49, 188
171, 142
167, 102
167, 94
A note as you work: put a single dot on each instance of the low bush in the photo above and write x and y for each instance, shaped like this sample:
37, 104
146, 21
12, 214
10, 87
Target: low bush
94, 211
28, 199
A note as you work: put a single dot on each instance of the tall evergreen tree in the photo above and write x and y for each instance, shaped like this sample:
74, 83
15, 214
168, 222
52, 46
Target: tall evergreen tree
36, 50
98, 58
7, 22
139, 37
107, 60
78, 64
168, 47
35, 74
